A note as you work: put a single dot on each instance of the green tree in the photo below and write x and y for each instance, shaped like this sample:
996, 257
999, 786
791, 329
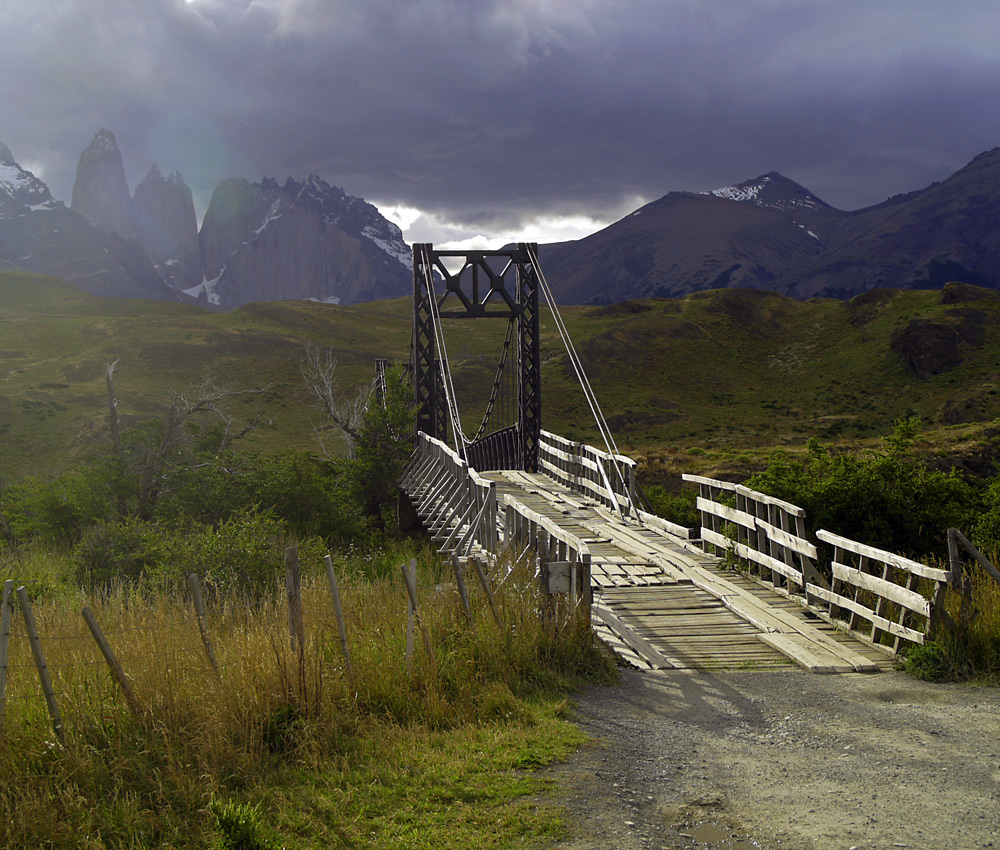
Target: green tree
382, 449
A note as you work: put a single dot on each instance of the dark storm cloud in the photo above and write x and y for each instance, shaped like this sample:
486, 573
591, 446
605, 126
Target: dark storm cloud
488, 113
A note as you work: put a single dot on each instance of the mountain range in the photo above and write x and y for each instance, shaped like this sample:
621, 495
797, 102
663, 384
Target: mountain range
771, 233
258, 241
308, 239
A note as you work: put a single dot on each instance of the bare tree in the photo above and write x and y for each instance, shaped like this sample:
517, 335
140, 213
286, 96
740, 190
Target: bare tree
153, 462
344, 412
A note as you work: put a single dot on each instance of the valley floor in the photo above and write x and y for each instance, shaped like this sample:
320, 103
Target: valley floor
783, 761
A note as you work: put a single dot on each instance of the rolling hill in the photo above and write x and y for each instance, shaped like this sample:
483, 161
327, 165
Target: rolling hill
721, 376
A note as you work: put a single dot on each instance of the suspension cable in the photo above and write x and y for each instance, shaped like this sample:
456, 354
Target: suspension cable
449, 389
495, 392
588, 391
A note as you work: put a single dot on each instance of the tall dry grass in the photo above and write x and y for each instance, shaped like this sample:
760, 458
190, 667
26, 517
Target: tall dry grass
146, 779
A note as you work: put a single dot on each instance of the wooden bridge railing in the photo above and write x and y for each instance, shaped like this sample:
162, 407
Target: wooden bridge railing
768, 533
873, 593
596, 474
880, 588
525, 529
461, 502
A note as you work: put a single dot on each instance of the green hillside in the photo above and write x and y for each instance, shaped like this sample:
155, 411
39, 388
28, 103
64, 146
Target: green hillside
714, 378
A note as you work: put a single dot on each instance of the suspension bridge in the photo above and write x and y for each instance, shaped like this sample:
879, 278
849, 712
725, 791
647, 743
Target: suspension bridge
660, 595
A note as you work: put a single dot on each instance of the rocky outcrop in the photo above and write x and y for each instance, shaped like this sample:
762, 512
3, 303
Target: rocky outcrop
100, 193
39, 234
303, 240
167, 228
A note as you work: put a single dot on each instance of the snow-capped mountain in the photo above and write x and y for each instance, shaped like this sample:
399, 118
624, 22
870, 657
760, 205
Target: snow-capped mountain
40, 234
20, 191
772, 233
300, 240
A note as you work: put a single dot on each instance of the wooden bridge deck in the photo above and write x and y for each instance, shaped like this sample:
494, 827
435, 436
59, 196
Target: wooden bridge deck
660, 602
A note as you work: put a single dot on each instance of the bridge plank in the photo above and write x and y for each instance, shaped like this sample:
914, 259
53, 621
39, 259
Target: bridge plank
807, 654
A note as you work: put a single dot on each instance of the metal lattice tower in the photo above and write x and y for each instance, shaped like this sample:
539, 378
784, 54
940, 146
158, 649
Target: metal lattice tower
478, 290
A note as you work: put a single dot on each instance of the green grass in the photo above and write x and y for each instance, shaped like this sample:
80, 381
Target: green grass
439, 752
730, 371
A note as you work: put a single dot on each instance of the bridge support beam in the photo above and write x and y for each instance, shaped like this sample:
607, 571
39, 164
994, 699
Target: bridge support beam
500, 284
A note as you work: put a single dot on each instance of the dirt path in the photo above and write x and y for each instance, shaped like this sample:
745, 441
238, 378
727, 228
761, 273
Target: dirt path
772, 760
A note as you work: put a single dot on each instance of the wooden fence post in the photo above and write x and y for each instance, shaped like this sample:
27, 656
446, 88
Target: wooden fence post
409, 612
293, 589
43, 670
411, 591
338, 612
117, 673
6, 607
485, 582
463, 593
199, 612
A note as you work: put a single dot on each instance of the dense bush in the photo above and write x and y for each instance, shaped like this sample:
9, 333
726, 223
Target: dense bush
680, 507
887, 497
243, 552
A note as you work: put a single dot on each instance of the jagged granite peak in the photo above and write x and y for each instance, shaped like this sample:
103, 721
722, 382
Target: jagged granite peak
20, 191
167, 227
100, 192
300, 240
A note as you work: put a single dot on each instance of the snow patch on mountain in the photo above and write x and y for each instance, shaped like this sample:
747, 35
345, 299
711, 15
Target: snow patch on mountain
394, 246
272, 214
206, 290
742, 192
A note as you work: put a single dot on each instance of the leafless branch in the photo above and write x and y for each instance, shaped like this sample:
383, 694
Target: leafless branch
343, 412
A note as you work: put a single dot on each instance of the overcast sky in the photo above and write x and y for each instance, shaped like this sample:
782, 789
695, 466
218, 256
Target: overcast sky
540, 119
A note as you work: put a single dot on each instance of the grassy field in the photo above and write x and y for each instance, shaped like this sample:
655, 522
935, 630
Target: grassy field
712, 381
441, 752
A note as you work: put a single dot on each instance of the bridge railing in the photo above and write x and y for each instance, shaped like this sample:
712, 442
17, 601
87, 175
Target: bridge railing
525, 529
609, 479
461, 503
768, 533
878, 591
880, 597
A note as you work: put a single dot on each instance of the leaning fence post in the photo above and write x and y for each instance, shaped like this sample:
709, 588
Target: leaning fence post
6, 607
117, 673
293, 588
485, 582
411, 591
338, 612
199, 612
43, 670
409, 612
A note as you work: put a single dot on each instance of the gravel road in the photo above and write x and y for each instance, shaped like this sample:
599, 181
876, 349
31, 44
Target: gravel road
783, 760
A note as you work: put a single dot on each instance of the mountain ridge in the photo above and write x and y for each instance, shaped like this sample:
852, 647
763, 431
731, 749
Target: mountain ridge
744, 235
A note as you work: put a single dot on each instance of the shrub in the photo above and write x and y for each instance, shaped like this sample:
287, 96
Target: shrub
679, 507
889, 497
